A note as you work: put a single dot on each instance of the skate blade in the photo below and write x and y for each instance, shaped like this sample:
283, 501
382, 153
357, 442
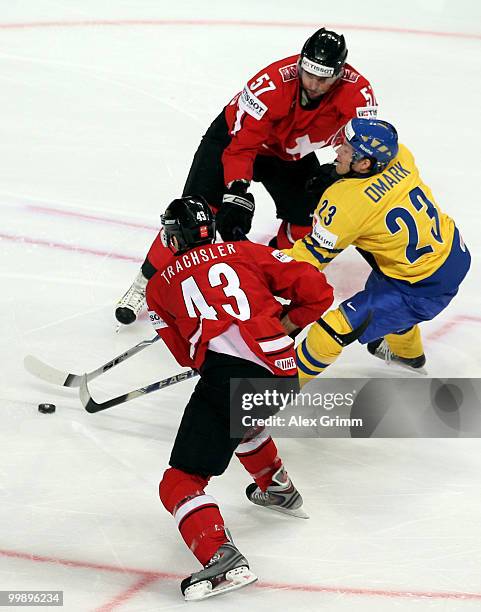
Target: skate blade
298, 513
405, 366
234, 579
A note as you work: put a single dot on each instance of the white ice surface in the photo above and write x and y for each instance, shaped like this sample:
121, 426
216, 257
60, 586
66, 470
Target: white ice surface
100, 116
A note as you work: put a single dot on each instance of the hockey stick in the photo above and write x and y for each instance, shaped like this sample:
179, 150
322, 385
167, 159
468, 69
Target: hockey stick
46, 372
92, 406
349, 338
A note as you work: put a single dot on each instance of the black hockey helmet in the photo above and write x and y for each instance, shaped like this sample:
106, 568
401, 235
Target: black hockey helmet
190, 220
324, 53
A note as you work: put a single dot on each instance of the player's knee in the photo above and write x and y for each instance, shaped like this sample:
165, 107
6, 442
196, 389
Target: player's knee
318, 350
321, 343
177, 485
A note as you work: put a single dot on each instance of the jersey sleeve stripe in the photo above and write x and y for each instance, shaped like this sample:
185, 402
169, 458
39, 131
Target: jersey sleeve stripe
314, 253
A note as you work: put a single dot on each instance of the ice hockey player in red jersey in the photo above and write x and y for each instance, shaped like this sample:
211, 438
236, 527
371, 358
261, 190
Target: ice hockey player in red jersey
213, 306
268, 133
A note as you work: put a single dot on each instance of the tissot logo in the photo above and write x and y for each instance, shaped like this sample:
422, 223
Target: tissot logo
249, 103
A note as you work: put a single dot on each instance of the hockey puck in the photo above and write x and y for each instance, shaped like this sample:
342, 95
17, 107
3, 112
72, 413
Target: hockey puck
46, 408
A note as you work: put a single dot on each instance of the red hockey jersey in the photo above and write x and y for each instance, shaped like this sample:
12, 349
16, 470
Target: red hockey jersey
266, 116
222, 293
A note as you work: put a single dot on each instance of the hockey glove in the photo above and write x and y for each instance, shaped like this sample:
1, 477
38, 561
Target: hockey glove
234, 218
326, 177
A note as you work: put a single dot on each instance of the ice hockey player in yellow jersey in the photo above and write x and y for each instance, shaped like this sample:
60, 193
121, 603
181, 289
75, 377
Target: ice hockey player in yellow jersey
381, 205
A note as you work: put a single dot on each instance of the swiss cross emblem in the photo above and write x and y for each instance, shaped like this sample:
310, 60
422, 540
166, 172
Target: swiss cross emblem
305, 146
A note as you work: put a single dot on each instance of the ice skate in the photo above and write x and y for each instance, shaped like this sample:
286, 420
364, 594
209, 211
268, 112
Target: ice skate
281, 495
228, 570
132, 301
380, 348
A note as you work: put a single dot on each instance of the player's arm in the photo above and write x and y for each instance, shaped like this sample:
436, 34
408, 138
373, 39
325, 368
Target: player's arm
307, 289
164, 325
333, 229
257, 107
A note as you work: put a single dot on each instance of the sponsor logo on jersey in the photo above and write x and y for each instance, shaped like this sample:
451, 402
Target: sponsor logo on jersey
349, 75
288, 73
366, 112
251, 104
282, 257
322, 236
285, 364
317, 69
156, 321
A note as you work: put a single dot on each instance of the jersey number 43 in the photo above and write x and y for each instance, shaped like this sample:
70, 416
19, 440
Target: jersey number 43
219, 274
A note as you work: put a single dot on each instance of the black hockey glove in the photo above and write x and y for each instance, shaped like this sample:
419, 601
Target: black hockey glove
326, 177
234, 218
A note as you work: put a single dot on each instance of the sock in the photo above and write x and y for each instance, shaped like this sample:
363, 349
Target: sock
259, 456
318, 350
407, 344
197, 515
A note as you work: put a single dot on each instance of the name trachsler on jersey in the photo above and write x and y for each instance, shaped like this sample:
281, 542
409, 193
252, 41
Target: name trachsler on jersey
199, 256
386, 181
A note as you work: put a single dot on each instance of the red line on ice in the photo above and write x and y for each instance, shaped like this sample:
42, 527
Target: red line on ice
149, 576
89, 217
121, 598
455, 321
69, 247
227, 22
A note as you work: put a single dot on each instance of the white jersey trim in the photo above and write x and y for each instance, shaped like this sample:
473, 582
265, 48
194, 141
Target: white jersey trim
268, 346
232, 343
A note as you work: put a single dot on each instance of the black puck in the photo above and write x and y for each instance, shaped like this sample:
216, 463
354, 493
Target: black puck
46, 408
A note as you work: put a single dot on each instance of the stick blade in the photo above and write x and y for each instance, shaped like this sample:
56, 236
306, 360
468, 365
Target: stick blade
46, 372
87, 402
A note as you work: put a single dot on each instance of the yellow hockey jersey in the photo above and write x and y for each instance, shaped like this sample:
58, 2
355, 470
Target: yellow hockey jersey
391, 217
